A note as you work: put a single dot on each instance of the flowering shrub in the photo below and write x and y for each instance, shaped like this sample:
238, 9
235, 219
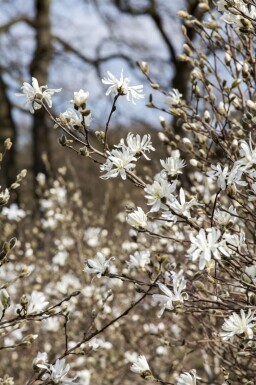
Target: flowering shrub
177, 300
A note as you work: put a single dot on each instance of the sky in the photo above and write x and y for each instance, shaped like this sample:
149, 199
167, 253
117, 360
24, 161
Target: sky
92, 31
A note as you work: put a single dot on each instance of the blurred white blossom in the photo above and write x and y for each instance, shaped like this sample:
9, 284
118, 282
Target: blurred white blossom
13, 213
139, 259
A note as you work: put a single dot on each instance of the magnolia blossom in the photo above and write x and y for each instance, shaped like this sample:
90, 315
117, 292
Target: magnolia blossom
40, 359
220, 174
137, 219
205, 245
172, 166
139, 259
36, 303
248, 154
164, 300
177, 295
13, 213
187, 378
234, 18
179, 285
57, 373
140, 366
137, 145
80, 98
173, 98
159, 193
223, 218
36, 94
237, 325
98, 265
182, 207
118, 162
122, 87
70, 119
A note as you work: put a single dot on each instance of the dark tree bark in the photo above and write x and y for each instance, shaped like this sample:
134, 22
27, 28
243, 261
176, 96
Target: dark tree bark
7, 130
39, 69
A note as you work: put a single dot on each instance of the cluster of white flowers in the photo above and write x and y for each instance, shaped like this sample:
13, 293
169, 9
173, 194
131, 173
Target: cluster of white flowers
239, 9
124, 158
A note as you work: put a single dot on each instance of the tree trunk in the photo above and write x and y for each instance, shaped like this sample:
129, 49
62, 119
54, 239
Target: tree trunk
39, 69
7, 130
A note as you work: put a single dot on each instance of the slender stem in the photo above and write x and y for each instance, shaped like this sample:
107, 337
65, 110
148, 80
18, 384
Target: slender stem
108, 121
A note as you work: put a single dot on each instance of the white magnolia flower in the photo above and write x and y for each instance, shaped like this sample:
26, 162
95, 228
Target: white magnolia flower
36, 94
57, 373
235, 176
177, 295
179, 285
70, 119
248, 154
205, 245
41, 359
118, 162
237, 325
234, 18
137, 145
121, 87
187, 378
80, 98
98, 265
137, 219
139, 259
236, 240
223, 218
13, 213
159, 193
251, 271
183, 207
220, 174
140, 366
164, 300
173, 98
37, 302
172, 166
